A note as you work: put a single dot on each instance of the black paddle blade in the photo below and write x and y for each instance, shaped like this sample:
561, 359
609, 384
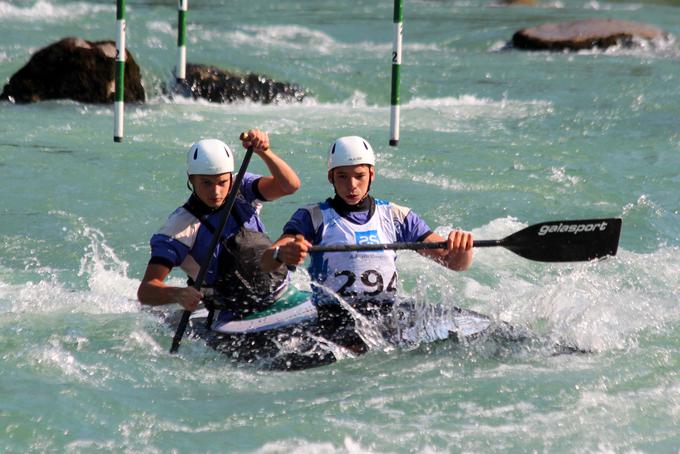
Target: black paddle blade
566, 241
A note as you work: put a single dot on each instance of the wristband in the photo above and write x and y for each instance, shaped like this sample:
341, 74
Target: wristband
277, 252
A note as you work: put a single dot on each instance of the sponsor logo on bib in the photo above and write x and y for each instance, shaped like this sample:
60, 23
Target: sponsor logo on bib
367, 237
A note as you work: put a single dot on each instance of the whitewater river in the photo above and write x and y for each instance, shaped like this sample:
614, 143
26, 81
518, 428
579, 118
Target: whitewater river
492, 140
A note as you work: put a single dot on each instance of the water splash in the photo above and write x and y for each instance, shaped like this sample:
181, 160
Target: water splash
594, 306
107, 274
305, 39
49, 12
109, 290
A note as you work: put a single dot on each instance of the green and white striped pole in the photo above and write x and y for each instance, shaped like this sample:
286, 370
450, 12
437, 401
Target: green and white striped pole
180, 71
396, 65
118, 102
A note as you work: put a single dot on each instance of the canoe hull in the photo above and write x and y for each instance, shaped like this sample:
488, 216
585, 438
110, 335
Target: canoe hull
286, 336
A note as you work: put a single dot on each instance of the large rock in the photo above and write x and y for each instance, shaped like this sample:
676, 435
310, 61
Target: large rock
74, 69
583, 34
218, 85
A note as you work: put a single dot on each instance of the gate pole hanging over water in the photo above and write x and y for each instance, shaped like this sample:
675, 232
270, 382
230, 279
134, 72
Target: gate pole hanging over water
396, 65
119, 76
180, 71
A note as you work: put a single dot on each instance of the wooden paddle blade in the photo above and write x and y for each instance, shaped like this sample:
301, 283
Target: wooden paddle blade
566, 241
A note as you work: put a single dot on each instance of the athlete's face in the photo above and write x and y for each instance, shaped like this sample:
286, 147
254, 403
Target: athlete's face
211, 189
351, 183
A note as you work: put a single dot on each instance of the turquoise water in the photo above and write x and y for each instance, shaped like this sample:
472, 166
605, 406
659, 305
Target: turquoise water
492, 140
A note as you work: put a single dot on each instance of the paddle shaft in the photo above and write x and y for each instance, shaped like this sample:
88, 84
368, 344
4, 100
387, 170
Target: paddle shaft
198, 282
555, 241
395, 246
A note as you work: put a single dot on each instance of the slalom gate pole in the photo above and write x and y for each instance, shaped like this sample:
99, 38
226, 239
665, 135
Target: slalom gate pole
396, 66
119, 73
180, 71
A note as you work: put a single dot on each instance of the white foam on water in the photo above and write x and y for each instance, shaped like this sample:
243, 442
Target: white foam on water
305, 39
288, 36
299, 446
54, 358
429, 178
596, 306
43, 11
606, 6
366, 328
446, 114
109, 289
238, 107
139, 340
663, 47
559, 175
109, 286
163, 27
91, 445
300, 279
450, 111
469, 113
492, 105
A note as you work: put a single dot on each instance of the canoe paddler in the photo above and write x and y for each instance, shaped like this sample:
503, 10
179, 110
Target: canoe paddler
184, 239
366, 280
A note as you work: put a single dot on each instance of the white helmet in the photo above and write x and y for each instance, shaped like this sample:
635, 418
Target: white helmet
350, 151
209, 157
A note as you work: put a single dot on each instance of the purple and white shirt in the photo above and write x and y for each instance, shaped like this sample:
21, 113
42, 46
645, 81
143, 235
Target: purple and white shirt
184, 238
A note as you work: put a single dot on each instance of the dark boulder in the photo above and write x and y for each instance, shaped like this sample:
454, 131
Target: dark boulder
74, 69
218, 85
583, 34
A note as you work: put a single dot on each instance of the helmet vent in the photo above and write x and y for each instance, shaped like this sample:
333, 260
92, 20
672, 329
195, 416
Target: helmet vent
365, 145
196, 154
333, 150
227, 152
